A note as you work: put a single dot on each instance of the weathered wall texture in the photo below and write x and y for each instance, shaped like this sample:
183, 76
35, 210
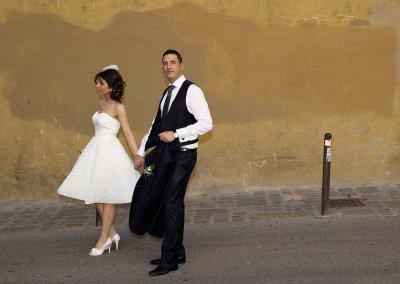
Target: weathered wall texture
277, 74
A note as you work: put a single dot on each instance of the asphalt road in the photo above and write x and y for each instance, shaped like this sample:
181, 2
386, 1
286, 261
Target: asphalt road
277, 250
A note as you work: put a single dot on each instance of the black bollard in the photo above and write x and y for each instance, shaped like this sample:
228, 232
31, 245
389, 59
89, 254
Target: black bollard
326, 173
97, 217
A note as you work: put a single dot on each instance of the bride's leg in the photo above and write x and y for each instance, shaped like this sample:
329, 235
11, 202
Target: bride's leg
108, 219
100, 209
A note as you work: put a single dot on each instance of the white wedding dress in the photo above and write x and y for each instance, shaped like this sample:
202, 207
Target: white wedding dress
103, 173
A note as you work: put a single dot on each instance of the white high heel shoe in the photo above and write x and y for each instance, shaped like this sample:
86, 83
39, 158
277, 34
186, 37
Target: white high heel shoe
115, 239
96, 252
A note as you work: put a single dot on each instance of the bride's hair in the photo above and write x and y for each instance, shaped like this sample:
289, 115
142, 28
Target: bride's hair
114, 81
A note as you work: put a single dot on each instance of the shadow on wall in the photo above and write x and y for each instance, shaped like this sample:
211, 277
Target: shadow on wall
249, 72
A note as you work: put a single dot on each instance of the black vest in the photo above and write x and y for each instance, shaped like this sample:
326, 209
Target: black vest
177, 117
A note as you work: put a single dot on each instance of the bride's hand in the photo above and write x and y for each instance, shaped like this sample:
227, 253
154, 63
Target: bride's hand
139, 162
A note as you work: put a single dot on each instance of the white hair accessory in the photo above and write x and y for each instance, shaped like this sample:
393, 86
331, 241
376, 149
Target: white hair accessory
113, 67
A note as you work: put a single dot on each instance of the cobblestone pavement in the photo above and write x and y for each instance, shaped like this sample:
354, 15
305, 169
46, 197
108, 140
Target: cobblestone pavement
44, 215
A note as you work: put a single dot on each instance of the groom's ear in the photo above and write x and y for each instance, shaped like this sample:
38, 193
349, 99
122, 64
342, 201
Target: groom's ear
182, 66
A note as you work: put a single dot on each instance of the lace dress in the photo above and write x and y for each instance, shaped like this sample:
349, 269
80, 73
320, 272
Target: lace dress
103, 173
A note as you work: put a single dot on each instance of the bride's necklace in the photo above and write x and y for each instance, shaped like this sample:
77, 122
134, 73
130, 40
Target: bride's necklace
103, 104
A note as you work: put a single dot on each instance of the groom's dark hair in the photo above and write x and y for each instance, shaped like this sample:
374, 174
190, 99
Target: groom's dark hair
173, 51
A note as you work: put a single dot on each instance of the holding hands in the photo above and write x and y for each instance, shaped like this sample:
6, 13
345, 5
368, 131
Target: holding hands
139, 163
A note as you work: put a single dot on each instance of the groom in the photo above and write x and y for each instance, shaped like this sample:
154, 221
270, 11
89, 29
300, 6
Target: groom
158, 202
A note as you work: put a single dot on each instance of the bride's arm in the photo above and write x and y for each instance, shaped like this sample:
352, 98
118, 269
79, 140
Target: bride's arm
123, 119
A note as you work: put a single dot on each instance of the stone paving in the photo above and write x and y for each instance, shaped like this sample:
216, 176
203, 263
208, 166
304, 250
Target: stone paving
44, 215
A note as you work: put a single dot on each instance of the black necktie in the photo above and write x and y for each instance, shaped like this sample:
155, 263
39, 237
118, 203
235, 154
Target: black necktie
167, 100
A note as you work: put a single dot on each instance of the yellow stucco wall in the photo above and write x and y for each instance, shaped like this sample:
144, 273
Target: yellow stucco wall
277, 75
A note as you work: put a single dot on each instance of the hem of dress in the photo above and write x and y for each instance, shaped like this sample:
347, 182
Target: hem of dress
106, 202
96, 201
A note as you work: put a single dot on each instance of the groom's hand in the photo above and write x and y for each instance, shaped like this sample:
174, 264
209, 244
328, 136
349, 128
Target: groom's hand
139, 163
166, 136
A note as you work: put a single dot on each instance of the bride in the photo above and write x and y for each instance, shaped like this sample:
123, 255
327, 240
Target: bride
104, 174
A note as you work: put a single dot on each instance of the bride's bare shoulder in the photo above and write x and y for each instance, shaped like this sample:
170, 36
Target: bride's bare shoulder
120, 108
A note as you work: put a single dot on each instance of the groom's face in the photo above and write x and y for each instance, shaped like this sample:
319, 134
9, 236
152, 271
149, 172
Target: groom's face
173, 69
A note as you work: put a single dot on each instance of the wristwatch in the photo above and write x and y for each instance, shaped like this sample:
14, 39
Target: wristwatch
175, 134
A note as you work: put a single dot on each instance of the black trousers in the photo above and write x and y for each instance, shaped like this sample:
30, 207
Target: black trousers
174, 208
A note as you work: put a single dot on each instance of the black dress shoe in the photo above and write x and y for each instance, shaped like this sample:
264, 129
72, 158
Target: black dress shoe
163, 269
157, 261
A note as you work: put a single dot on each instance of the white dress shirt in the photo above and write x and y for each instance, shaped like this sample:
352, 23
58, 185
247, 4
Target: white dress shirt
197, 106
